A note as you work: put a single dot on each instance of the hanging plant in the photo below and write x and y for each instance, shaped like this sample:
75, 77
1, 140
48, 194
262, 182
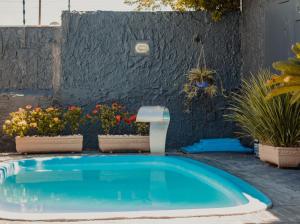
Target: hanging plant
201, 81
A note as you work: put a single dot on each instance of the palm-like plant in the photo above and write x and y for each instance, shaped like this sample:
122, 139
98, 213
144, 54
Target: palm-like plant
289, 80
274, 122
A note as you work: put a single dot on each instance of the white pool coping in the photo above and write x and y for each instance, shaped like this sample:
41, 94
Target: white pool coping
252, 206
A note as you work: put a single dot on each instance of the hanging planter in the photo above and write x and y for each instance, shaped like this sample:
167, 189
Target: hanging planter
201, 81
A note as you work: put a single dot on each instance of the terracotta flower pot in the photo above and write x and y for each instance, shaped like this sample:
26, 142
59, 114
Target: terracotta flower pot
36, 144
119, 143
283, 157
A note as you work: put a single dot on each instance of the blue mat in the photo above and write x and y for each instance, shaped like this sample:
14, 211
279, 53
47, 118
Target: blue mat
217, 145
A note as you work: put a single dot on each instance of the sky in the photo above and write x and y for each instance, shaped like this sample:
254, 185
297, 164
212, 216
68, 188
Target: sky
11, 10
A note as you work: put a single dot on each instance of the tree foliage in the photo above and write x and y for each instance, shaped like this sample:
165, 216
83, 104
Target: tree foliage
217, 8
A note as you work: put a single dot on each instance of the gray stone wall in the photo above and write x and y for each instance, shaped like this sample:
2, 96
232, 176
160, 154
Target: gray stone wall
268, 30
29, 69
98, 65
90, 59
27, 56
253, 36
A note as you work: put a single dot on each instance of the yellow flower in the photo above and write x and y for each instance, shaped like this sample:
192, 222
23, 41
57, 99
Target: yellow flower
21, 110
7, 122
56, 119
49, 109
22, 123
33, 125
14, 119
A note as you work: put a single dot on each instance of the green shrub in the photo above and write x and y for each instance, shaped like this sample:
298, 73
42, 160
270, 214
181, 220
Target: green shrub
50, 121
274, 122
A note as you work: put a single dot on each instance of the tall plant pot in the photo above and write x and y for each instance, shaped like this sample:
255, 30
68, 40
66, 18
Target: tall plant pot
123, 143
283, 157
36, 144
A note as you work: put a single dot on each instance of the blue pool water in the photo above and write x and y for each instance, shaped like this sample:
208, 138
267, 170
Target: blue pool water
118, 183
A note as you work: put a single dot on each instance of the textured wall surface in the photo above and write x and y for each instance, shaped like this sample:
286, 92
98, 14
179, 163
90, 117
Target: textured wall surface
253, 35
27, 56
99, 65
90, 59
29, 69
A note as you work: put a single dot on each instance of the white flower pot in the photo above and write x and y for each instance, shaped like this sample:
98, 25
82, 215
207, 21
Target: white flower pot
37, 144
283, 157
121, 143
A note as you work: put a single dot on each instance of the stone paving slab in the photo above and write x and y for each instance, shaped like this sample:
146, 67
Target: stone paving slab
281, 185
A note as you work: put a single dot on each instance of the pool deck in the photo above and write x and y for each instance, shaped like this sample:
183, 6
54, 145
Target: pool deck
281, 185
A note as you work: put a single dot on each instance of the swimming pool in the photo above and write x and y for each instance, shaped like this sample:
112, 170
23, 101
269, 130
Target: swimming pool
133, 186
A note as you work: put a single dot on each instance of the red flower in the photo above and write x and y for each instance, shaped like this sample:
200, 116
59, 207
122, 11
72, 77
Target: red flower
132, 118
118, 119
95, 111
88, 116
127, 121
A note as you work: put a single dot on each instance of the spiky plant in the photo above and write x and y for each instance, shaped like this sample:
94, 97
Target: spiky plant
274, 122
289, 80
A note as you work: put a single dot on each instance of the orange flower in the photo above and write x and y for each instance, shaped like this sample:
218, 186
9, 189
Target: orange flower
118, 119
28, 107
37, 109
72, 108
95, 111
115, 106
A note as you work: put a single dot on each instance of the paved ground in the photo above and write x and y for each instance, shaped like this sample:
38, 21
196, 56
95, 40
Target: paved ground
281, 185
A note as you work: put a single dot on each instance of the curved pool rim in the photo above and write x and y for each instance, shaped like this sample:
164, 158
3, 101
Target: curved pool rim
257, 201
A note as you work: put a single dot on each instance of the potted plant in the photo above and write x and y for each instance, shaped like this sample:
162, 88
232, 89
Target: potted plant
119, 129
274, 122
41, 129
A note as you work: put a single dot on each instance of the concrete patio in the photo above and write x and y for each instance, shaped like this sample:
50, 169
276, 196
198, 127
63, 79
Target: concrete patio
281, 185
